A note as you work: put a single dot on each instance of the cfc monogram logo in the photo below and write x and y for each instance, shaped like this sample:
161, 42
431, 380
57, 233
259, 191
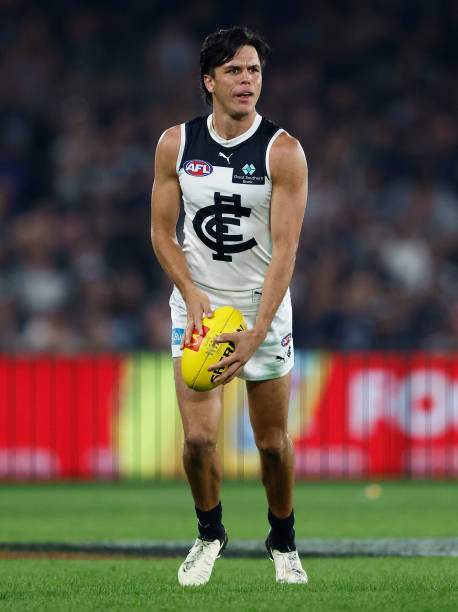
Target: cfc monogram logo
215, 220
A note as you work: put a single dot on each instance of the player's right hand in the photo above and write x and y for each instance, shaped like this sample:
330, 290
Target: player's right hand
198, 306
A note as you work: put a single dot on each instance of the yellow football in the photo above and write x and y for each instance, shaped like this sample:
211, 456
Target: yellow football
203, 350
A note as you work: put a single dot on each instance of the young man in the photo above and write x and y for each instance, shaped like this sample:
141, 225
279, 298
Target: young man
243, 181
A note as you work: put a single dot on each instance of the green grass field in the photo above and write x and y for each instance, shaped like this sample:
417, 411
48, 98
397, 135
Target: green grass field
335, 584
155, 510
164, 510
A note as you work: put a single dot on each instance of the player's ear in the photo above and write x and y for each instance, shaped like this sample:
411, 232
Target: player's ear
209, 83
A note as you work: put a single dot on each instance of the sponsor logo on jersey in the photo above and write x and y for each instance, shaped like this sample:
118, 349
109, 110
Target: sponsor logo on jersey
198, 167
248, 169
247, 176
286, 339
177, 334
196, 339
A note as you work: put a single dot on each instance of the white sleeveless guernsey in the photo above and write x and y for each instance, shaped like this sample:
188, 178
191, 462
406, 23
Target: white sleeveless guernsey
227, 188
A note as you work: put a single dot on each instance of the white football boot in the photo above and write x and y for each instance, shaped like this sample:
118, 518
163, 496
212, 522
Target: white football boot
197, 568
288, 567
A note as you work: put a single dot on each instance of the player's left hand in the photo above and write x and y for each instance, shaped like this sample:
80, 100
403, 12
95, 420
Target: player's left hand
246, 343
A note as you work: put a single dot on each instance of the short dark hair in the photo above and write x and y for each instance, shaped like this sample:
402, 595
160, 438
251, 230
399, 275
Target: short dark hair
221, 46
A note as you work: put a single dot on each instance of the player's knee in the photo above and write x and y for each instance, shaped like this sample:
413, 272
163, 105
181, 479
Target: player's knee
271, 444
199, 443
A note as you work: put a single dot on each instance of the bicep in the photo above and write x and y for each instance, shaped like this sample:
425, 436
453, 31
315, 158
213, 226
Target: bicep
166, 192
289, 193
165, 204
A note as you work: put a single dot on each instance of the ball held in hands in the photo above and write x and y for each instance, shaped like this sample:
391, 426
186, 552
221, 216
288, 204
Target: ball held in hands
204, 351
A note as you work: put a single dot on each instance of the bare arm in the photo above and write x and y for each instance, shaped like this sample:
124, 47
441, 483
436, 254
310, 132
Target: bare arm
289, 197
165, 210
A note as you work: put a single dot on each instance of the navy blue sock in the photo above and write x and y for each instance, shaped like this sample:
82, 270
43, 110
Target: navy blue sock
209, 523
282, 532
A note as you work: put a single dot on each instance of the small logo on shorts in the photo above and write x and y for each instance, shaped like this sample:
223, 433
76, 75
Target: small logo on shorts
285, 356
177, 334
286, 339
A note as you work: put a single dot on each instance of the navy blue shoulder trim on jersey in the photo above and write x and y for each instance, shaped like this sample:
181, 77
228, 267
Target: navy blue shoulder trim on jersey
195, 130
267, 129
200, 146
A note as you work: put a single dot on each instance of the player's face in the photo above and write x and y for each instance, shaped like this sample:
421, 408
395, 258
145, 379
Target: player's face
236, 85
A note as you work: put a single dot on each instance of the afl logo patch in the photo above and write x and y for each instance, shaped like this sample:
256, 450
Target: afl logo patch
198, 167
286, 340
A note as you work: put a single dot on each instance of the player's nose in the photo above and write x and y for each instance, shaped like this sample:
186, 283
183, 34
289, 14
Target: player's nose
245, 76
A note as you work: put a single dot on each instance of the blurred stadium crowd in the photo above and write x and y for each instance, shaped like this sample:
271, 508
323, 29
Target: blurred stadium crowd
370, 90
